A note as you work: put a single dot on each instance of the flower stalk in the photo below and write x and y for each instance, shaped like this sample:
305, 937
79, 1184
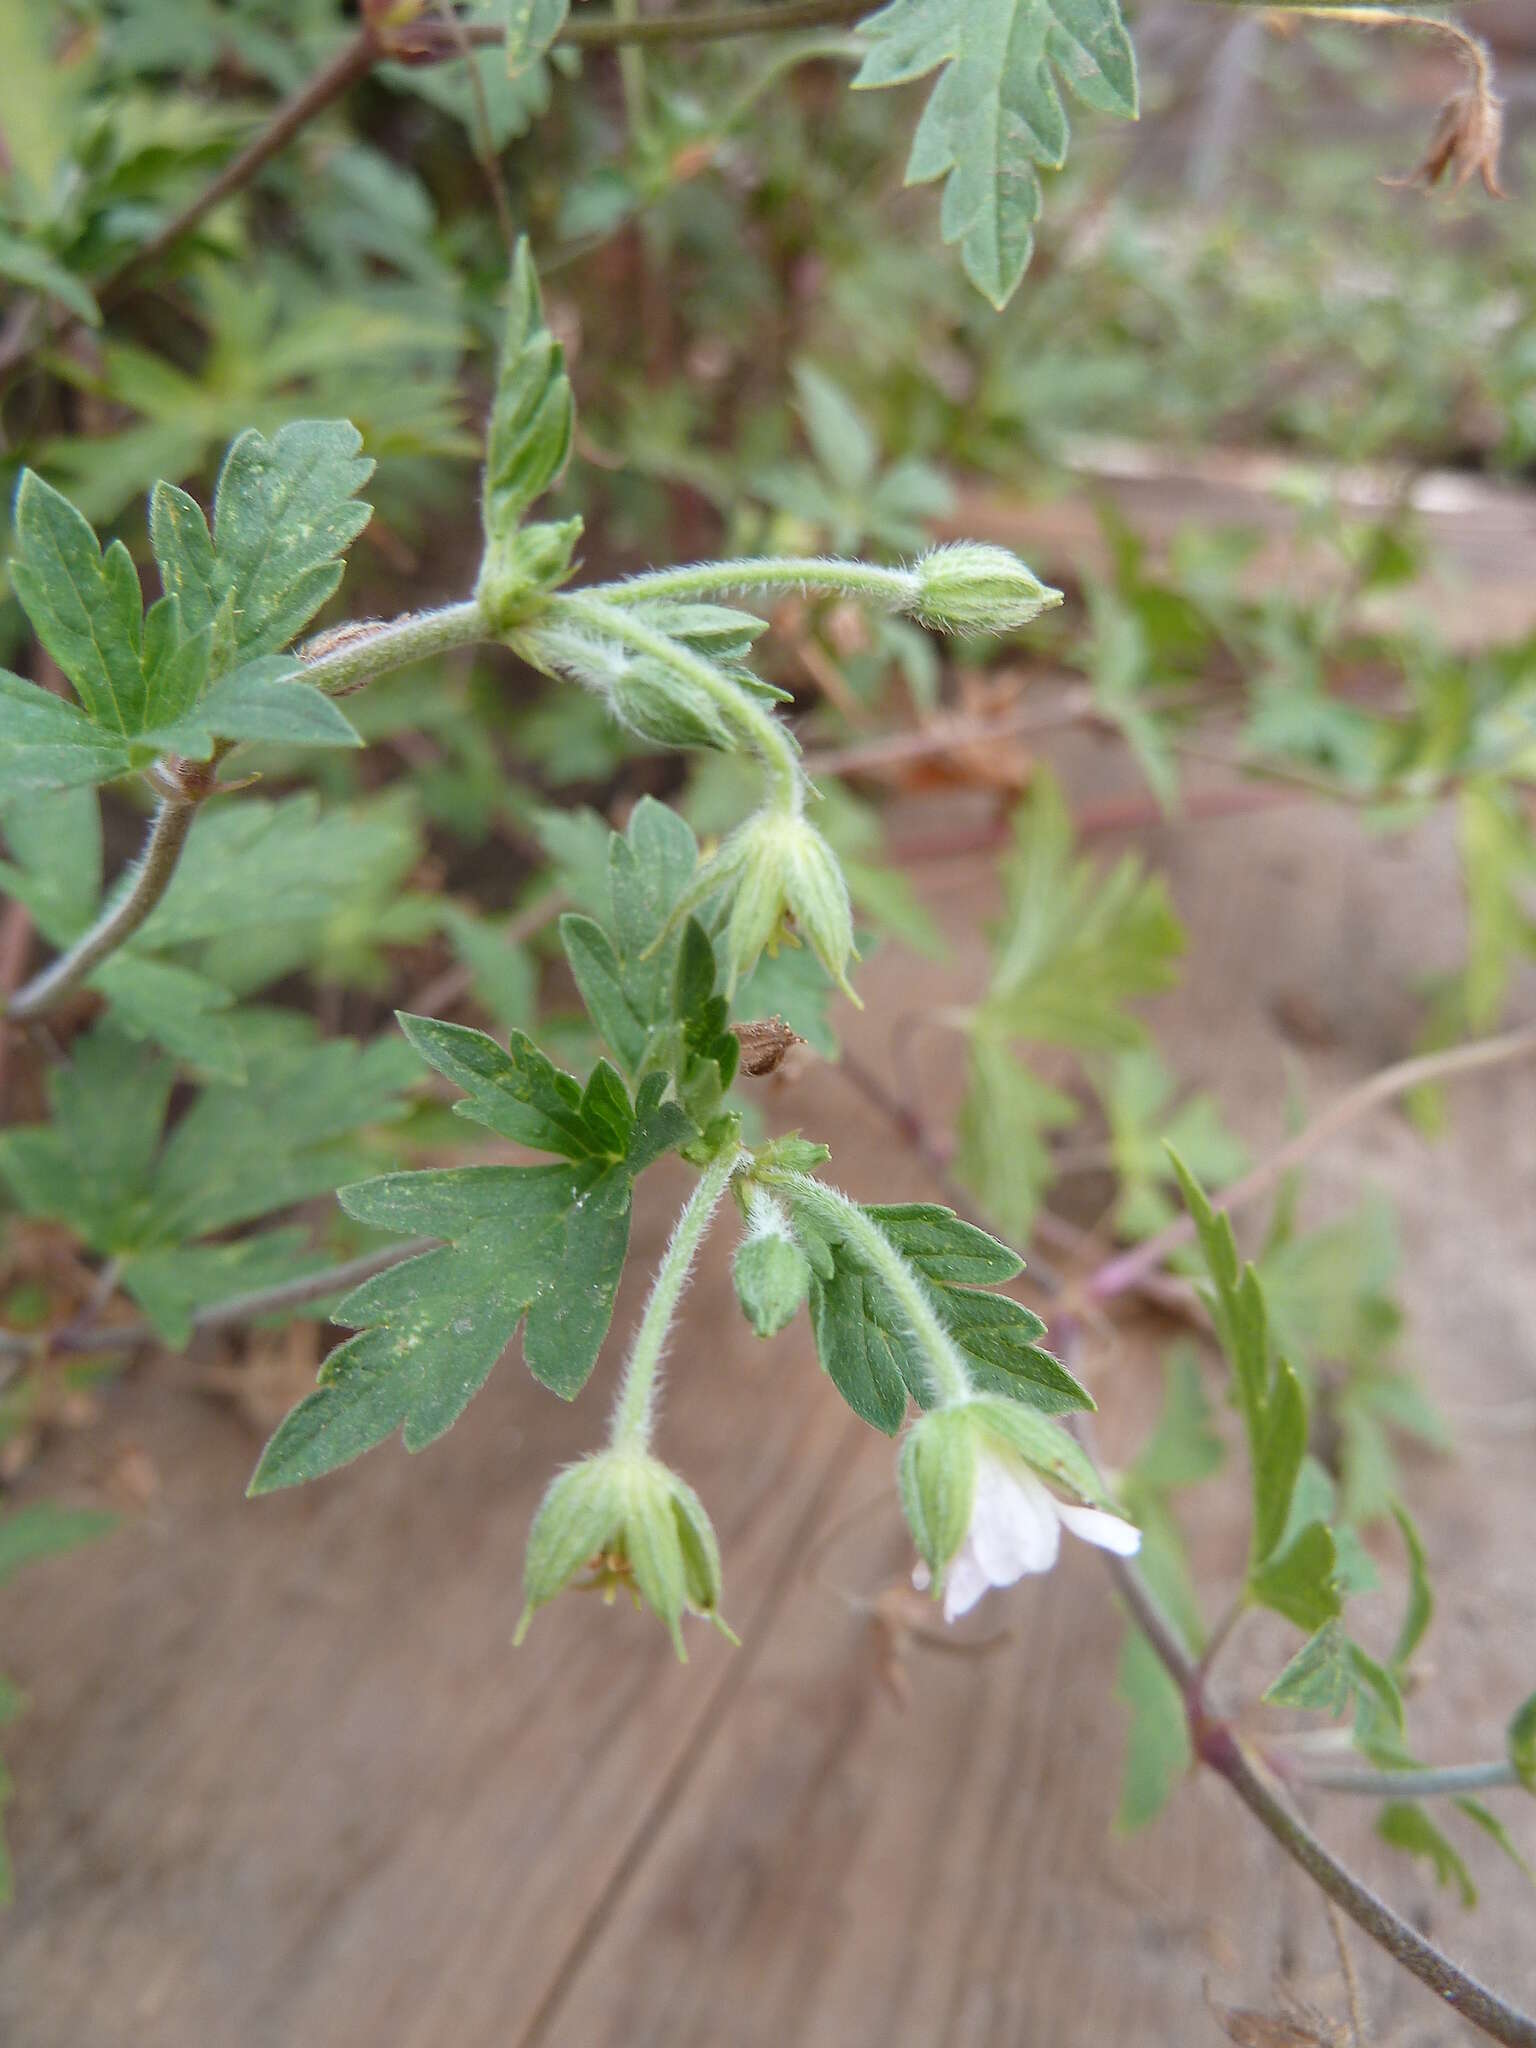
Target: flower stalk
951, 1381
634, 1408
767, 736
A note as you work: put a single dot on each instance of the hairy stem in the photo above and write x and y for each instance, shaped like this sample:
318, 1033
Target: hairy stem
146, 885
946, 1368
343, 665
821, 575
634, 1410
339, 663
777, 751
1127, 1270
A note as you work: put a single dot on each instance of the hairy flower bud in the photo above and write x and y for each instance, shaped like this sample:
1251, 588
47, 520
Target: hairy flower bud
936, 1473
772, 1274
973, 588
623, 1516
784, 884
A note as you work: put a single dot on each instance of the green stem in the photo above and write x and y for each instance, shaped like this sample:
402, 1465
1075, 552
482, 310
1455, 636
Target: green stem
946, 1368
820, 575
119, 921
1446, 1779
777, 751
635, 1407
344, 664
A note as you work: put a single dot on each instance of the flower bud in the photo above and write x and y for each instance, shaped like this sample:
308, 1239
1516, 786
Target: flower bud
633, 1523
772, 1274
936, 1473
973, 588
784, 882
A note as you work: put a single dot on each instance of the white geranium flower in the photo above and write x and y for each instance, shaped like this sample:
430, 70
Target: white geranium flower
1015, 1528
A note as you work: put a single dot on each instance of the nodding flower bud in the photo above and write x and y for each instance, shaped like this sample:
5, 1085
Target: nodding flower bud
784, 883
974, 588
628, 1521
772, 1274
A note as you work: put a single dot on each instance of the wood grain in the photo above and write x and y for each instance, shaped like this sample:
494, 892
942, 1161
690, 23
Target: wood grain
284, 1784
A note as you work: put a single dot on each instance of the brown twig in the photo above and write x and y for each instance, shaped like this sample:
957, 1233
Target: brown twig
951, 735
1130, 1268
1115, 814
1220, 1749
351, 62
416, 43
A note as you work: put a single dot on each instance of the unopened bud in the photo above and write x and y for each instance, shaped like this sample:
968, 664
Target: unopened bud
937, 1477
975, 588
785, 884
772, 1274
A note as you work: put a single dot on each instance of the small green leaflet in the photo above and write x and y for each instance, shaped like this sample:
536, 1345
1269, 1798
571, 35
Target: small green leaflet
284, 513
44, 1530
30, 264
1420, 1608
533, 417
1269, 1396
651, 990
532, 26
862, 1338
1520, 1743
1073, 949
1145, 1119
1184, 1447
995, 113
105, 1164
1404, 1824
1330, 1674
1157, 1751
541, 1243
528, 441
197, 665
1301, 1581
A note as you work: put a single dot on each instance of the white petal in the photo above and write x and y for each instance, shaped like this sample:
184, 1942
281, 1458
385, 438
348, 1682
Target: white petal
964, 1584
1109, 1532
922, 1578
1014, 1529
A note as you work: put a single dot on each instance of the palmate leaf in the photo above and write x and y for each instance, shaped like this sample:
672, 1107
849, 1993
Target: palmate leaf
651, 990
263, 890
866, 1346
995, 112
196, 667
538, 1245
105, 1165
284, 512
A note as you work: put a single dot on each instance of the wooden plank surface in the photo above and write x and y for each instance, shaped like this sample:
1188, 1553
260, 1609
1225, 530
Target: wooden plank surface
285, 1782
